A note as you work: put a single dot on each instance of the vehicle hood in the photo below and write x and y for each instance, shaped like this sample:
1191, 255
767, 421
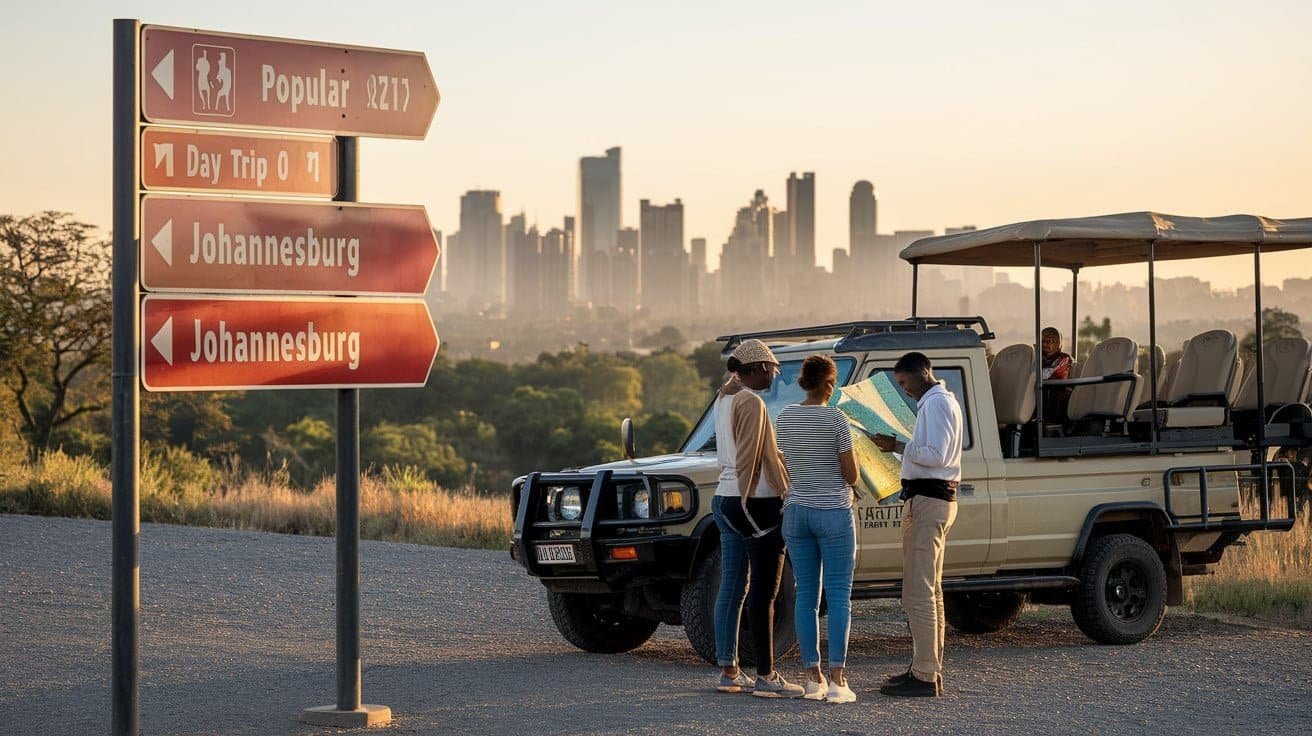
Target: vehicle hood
699, 467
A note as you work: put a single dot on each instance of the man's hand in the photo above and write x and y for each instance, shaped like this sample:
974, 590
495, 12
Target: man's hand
885, 442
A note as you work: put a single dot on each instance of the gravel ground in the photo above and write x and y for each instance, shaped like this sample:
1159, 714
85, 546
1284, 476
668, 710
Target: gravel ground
237, 638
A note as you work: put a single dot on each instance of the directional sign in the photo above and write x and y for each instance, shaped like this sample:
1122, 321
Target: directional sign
223, 343
232, 80
177, 158
197, 244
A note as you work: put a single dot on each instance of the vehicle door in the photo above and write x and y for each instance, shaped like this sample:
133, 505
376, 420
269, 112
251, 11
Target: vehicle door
879, 522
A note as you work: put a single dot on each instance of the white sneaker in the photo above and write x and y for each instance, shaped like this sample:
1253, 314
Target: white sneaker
775, 686
739, 684
840, 693
816, 690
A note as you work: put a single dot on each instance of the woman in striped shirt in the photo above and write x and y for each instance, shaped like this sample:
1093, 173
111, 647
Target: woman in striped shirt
818, 525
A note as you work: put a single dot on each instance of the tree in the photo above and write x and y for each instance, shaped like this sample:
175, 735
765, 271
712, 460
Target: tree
55, 310
1091, 333
662, 433
1276, 323
666, 338
414, 445
671, 384
709, 362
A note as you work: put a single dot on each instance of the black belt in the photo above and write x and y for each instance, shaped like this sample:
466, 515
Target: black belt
945, 490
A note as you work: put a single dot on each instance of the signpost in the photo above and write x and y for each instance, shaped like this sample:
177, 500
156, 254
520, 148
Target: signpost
235, 272
234, 80
243, 246
234, 343
177, 158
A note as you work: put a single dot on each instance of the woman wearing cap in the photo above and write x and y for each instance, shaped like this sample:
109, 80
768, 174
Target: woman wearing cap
747, 507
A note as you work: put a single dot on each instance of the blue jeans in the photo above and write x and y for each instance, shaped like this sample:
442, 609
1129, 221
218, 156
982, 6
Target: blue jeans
764, 557
821, 544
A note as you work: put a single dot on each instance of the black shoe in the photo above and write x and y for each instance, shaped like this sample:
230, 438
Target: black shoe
899, 678
913, 687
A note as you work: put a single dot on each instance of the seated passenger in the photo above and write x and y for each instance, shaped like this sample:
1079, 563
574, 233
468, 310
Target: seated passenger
1056, 367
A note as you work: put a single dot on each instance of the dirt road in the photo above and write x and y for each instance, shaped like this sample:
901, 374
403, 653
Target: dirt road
237, 638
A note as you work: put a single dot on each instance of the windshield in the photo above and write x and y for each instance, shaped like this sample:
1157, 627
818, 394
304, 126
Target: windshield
782, 392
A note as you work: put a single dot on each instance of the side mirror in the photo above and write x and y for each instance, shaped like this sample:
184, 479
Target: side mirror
629, 438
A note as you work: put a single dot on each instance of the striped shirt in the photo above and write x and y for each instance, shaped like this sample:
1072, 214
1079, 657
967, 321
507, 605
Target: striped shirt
811, 438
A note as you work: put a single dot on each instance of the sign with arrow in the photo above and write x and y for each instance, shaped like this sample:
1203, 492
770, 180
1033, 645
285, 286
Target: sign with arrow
232, 343
177, 158
232, 80
198, 244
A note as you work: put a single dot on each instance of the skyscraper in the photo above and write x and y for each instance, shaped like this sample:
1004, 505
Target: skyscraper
662, 261
745, 263
624, 270
599, 221
523, 267
697, 296
801, 221
478, 268
861, 214
557, 263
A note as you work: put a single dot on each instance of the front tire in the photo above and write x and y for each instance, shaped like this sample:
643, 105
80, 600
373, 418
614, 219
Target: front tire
983, 613
1122, 593
595, 623
697, 605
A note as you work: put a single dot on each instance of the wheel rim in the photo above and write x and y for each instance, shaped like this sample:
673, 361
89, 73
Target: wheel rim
1127, 592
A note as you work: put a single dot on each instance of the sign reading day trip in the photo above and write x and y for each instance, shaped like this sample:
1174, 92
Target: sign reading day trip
177, 158
222, 343
196, 244
233, 80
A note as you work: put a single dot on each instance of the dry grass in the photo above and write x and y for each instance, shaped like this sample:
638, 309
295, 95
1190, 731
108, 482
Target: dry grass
397, 505
1269, 578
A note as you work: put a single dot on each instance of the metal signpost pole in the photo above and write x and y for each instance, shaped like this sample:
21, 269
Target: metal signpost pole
348, 493
125, 605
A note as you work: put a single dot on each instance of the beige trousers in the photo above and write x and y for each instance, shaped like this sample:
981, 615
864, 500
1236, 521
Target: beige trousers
925, 526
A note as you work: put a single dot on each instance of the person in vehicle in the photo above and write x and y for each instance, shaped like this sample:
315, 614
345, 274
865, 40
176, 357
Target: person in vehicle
747, 508
818, 525
931, 470
1057, 366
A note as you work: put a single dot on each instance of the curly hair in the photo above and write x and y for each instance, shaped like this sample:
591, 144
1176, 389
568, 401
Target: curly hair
817, 370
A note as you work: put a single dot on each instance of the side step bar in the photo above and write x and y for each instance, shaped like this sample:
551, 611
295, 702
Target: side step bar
1022, 583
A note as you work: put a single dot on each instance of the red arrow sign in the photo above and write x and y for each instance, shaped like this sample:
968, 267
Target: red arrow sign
175, 158
192, 244
232, 80
227, 343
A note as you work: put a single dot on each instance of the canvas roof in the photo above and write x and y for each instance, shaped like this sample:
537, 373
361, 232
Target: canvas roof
1105, 240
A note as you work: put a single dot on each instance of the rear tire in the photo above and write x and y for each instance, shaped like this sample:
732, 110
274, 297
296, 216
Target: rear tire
983, 613
595, 623
697, 604
1122, 593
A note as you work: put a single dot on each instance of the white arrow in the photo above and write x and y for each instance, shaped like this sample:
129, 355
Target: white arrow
164, 153
163, 242
163, 340
163, 73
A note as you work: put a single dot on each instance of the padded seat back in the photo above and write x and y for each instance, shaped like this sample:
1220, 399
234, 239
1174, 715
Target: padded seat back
1286, 363
1145, 371
1207, 366
1012, 376
1111, 356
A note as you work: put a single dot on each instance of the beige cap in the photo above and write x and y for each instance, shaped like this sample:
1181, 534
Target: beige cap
754, 351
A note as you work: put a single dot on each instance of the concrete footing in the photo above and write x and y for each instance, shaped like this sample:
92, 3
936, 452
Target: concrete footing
365, 715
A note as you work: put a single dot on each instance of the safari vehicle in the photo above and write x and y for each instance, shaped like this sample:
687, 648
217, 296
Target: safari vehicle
1153, 475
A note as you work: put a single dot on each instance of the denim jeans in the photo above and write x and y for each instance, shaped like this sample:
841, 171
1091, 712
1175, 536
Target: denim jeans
822, 546
765, 557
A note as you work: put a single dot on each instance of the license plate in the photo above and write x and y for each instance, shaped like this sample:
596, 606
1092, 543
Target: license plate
556, 554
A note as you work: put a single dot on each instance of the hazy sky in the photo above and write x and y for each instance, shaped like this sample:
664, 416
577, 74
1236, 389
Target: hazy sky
960, 113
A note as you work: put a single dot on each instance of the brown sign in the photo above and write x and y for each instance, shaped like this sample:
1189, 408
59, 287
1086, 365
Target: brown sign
199, 244
232, 80
218, 343
175, 158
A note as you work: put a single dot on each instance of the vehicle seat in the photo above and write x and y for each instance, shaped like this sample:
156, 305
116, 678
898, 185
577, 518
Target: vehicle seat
1107, 400
1142, 395
1200, 391
1287, 373
1012, 376
1168, 378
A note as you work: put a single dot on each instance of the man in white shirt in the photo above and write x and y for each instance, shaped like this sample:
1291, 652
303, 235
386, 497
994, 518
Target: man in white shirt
931, 469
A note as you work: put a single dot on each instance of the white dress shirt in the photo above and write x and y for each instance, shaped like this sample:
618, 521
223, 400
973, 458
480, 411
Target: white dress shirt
935, 447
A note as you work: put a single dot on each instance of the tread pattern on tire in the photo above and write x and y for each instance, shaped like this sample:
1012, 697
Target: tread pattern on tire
574, 617
983, 614
1089, 608
697, 606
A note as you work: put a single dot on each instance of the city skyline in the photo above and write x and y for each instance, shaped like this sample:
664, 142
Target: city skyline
947, 110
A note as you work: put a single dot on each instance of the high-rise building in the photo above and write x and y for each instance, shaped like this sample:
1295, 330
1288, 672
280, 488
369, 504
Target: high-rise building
478, 268
697, 296
662, 261
599, 221
523, 267
557, 264
745, 264
624, 270
801, 221
861, 214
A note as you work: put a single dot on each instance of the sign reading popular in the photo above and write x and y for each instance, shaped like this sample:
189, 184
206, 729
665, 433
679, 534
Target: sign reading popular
232, 80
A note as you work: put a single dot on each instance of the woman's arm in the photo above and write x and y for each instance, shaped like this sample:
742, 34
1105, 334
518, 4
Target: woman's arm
847, 461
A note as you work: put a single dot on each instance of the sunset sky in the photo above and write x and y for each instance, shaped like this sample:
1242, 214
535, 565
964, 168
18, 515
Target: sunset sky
960, 113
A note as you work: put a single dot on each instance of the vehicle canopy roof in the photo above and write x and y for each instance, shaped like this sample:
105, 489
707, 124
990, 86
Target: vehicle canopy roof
1106, 240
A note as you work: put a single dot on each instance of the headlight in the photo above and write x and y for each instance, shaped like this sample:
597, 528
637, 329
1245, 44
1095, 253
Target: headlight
571, 504
642, 504
674, 499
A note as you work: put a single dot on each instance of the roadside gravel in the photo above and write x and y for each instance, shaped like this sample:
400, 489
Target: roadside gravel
237, 638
